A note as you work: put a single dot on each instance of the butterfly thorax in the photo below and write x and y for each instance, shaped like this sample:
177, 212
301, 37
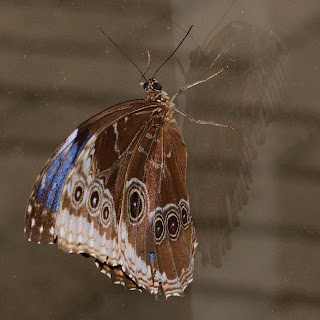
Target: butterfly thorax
155, 93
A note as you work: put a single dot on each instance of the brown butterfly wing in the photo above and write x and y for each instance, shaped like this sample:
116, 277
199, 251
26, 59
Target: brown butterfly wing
88, 219
157, 244
44, 202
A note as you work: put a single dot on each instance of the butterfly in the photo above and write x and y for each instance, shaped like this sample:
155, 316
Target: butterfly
115, 190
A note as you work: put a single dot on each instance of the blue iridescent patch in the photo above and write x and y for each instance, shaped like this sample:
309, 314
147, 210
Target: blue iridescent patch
52, 182
152, 256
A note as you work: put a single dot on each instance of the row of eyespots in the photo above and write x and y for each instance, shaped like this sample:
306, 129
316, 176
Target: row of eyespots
93, 201
171, 223
136, 208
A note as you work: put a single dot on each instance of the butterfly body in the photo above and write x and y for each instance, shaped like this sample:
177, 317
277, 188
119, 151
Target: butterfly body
116, 190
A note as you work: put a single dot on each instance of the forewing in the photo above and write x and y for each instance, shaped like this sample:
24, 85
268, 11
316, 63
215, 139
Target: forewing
88, 219
45, 199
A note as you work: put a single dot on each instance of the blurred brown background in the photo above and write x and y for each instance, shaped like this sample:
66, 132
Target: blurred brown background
57, 69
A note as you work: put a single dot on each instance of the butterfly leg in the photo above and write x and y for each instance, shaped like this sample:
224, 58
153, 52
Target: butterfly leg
184, 88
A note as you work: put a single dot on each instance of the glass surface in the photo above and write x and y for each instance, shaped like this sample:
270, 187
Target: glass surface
254, 193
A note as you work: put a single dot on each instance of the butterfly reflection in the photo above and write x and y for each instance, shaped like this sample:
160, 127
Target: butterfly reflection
247, 96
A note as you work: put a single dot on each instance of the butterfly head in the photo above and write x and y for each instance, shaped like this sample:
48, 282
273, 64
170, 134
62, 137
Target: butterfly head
154, 91
152, 84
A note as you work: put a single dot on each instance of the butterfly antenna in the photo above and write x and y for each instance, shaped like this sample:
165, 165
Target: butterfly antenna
142, 74
230, 6
184, 31
173, 51
148, 64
